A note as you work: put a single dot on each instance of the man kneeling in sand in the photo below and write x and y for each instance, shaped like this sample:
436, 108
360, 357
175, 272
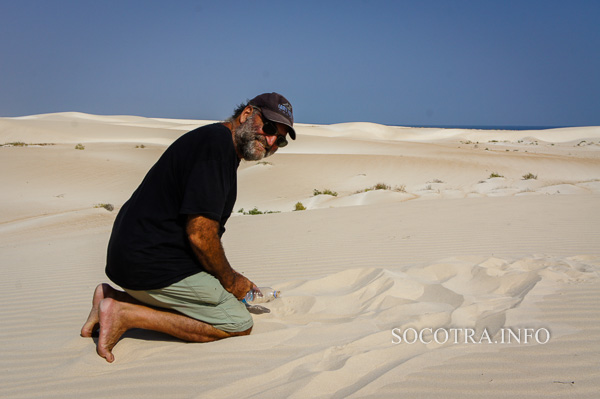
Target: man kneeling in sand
165, 249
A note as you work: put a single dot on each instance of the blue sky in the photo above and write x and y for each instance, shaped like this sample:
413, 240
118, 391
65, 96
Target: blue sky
421, 62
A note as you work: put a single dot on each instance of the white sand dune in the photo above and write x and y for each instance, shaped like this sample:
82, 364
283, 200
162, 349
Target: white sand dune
446, 246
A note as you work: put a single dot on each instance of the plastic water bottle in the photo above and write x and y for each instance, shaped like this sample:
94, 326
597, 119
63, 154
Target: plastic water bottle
262, 295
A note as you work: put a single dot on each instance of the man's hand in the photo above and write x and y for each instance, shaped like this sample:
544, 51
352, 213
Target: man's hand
203, 234
241, 286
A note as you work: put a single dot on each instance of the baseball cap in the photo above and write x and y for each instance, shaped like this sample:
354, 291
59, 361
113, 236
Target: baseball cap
276, 108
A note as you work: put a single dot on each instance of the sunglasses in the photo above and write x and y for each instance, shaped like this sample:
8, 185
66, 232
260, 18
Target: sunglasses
270, 129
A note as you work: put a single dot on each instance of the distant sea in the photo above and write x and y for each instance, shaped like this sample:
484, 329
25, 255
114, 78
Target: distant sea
490, 127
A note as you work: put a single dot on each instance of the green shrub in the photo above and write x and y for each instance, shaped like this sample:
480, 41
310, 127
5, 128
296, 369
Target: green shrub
255, 211
79, 147
381, 186
326, 192
22, 144
494, 174
108, 207
299, 207
529, 176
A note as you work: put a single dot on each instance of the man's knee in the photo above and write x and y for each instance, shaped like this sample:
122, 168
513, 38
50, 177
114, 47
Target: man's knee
242, 326
245, 332
221, 334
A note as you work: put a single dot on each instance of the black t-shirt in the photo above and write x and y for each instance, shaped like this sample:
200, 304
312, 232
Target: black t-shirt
196, 175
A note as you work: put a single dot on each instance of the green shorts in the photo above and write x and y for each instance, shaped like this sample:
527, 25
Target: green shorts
201, 297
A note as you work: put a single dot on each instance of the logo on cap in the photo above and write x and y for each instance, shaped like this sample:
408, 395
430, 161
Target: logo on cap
286, 108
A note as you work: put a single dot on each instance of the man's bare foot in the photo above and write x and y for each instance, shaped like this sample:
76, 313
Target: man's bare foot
112, 327
102, 291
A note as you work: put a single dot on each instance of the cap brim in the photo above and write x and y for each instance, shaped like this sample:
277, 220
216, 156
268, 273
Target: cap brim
275, 117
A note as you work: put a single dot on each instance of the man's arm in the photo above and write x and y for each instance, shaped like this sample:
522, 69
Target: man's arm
203, 234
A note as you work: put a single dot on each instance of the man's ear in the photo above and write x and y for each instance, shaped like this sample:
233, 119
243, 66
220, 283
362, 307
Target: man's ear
246, 113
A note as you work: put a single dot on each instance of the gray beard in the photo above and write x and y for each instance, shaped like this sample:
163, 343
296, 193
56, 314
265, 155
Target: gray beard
248, 141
